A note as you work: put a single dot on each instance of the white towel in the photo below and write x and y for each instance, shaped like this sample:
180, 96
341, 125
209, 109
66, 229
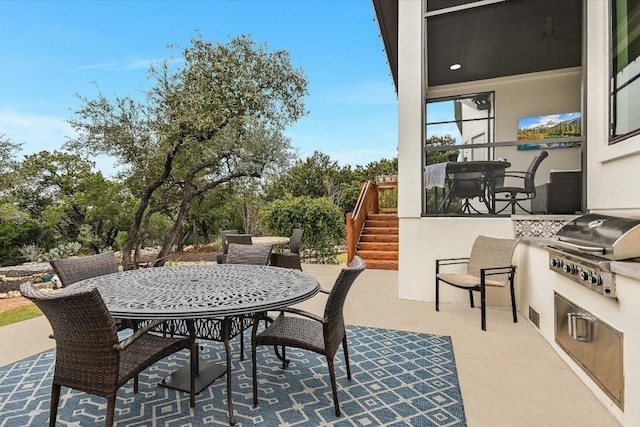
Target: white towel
435, 175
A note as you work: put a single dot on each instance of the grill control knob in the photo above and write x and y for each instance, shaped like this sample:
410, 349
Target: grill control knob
584, 275
555, 262
569, 268
595, 279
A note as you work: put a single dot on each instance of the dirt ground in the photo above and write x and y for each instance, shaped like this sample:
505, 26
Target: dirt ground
7, 304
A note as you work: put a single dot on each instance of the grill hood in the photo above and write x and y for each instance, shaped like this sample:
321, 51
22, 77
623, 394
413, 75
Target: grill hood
610, 237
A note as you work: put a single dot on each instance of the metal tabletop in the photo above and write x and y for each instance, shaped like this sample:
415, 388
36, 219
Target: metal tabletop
201, 291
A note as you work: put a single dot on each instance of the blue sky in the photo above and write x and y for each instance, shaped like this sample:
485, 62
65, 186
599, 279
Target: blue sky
52, 50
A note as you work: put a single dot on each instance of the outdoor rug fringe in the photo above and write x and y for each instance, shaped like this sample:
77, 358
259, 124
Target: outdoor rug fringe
399, 379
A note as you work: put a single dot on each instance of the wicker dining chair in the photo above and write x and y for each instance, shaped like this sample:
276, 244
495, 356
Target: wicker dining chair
72, 270
320, 334
290, 259
253, 255
248, 254
488, 265
220, 258
91, 358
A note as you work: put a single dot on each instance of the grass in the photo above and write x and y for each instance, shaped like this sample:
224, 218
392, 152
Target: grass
18, 314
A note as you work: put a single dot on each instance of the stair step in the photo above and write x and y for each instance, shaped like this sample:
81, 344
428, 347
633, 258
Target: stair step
377, 246
380, 230
383, 217
379, 238
377, 255
381, 224
381, 264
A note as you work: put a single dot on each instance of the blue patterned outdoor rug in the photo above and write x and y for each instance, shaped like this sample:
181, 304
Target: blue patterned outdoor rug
398, 379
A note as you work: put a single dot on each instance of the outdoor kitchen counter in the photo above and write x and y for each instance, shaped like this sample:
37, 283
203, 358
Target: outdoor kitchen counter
629, 269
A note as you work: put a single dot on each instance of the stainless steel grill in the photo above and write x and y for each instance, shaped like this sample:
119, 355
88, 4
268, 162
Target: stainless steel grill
583, 248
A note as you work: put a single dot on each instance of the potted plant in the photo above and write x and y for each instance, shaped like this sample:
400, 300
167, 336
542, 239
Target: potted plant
452, 155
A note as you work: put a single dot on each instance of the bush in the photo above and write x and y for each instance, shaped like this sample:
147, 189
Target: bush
31, 252
62, 251
12, 236
321, 220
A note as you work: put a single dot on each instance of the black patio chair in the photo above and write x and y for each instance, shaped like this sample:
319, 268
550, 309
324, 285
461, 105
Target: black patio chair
290, 259
515, 194
488, 265
308, 331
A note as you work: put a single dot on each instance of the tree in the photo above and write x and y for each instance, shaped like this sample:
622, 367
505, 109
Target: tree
8, 165
217, 119
321, 220
63, 193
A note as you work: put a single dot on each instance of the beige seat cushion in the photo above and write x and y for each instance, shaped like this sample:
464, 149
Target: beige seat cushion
467, 280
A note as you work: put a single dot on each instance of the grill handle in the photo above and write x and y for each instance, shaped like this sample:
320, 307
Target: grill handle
587, 249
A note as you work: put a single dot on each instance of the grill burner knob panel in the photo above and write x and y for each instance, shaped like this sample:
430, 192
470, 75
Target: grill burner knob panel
593, 274
556, 262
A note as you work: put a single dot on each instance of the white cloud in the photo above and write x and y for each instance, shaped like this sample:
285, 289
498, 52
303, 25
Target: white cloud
128, 64
35, 132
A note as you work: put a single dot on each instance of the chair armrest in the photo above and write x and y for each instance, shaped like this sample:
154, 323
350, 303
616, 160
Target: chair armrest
452, 261
303, 313
137, 334
494, 271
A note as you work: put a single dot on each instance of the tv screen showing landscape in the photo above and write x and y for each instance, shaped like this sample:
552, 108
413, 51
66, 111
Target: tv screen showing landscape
547, 128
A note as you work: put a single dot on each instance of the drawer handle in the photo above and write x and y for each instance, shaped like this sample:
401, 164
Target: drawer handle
581, 326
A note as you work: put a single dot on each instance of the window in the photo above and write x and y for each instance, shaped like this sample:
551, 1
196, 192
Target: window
625, 69
458, 128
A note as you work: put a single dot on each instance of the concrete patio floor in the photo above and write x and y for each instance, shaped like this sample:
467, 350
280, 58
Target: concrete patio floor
509, 375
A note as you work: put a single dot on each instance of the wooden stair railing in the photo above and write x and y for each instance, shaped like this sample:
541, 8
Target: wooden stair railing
381, 242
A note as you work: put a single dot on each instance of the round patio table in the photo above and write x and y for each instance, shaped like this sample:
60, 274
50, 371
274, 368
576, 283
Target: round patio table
197, 292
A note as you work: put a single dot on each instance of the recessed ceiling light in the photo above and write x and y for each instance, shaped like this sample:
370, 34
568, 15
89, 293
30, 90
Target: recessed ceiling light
455, 67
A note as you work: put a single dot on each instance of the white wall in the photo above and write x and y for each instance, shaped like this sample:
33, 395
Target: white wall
613, 171
422, 240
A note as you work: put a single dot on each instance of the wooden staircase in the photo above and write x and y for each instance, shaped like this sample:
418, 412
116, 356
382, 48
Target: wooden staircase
378, 243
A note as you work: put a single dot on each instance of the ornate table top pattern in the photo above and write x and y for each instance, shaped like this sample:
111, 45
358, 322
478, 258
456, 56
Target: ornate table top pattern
200, 291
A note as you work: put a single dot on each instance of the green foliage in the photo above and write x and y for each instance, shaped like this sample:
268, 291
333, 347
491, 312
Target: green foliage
12, 237
321, 220
31, 252
216, 118
319, 176
62, 251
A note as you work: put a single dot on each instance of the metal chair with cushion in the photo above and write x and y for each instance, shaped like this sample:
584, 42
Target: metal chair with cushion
91, 358
516, 194
308, 331
467, 186
488, 265
220, 258
290, 259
